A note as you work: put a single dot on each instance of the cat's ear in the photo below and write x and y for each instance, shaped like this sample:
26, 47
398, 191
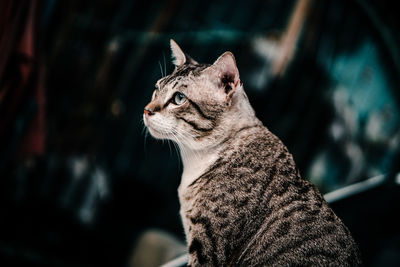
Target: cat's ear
178, 56
228, 72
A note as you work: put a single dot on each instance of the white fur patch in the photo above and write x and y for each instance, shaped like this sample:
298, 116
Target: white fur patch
194, 167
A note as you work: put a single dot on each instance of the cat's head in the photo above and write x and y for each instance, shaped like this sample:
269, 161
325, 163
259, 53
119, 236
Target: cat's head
198, 105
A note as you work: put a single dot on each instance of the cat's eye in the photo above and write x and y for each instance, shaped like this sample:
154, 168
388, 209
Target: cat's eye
179, 98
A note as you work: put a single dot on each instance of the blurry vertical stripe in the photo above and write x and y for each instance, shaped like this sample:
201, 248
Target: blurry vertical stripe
22, 95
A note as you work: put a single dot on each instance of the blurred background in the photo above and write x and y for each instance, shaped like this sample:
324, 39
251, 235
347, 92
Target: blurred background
79, 181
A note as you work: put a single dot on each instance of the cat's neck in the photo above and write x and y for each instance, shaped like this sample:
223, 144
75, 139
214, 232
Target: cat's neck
195, 163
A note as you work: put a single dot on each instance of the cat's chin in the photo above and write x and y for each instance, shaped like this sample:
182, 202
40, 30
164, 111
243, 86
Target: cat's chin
156, 134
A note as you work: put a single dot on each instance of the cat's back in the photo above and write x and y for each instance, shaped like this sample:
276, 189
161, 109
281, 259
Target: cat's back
257, 210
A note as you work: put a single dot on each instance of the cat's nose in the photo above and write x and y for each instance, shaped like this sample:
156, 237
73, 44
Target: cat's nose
148, 111
151, 108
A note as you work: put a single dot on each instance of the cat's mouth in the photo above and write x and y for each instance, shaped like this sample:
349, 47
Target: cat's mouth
153, 129
155, 133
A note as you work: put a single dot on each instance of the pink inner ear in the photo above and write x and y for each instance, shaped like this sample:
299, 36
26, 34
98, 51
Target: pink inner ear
227, 80
226, 66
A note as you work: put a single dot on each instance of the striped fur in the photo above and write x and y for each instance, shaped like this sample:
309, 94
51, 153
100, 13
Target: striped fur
252, 208
243, 202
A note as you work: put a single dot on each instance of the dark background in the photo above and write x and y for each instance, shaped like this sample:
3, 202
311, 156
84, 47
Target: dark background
79, 180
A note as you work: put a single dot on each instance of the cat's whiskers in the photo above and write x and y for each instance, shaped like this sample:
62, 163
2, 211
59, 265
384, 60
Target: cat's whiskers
145, 131
178, 140
162, 74
174, 142
169, 146
186, 141
165, 65
170, 134
179, 152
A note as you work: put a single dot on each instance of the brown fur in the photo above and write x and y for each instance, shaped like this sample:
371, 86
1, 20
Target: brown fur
252, 208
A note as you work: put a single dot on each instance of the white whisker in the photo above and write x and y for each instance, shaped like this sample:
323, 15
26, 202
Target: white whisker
174, 142
187, 147
183, 140
145, 131
159, 64
165, 65
169, 146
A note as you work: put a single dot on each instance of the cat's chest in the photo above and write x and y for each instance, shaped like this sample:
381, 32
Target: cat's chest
194, 167
187, 199
188, 188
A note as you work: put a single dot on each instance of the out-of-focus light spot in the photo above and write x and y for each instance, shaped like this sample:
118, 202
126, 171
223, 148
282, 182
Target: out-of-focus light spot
79, 166
337, 131
116, 108
113, 45
354, 189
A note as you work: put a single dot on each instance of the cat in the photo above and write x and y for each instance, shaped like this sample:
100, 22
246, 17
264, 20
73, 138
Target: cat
243, 201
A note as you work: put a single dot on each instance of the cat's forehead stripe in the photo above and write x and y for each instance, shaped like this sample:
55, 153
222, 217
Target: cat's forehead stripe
183, 71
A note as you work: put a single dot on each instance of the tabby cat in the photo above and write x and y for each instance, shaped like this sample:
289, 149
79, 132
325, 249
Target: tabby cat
243, 202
